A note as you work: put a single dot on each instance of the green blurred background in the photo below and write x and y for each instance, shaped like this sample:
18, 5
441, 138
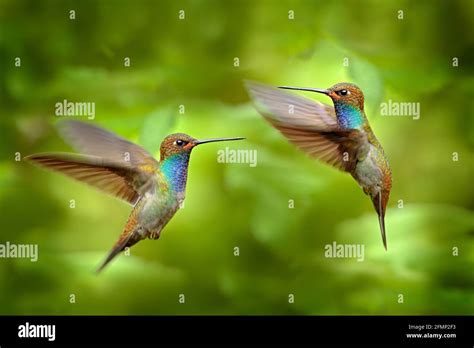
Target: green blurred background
190, 62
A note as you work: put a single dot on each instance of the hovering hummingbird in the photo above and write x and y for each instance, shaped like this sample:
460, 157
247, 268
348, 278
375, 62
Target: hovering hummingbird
339, 135
127, 171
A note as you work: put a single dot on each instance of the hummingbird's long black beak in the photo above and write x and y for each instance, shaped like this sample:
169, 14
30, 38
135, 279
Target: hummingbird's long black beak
317, 90
204, 141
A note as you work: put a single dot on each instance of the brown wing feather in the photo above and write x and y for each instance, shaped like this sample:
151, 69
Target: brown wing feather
339, 148
95, 171
92, 140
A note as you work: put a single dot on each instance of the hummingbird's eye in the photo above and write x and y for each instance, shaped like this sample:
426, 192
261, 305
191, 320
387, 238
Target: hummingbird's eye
180, 142
343, 92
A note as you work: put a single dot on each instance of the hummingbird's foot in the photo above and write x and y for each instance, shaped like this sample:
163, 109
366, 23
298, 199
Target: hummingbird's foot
154, 235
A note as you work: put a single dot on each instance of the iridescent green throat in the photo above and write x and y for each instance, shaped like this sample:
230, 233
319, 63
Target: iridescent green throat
175, 169
349, 116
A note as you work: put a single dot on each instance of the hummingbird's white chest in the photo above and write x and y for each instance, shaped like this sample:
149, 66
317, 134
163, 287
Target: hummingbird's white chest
368, 173
156, 211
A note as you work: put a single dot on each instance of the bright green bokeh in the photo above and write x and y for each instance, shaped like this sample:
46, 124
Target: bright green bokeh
190, 62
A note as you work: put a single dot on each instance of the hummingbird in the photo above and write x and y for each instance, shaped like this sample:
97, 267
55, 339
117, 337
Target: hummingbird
125, 170
340, 136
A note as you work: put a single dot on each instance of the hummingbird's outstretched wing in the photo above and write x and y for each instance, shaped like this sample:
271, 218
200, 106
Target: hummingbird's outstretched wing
92, 140
310, 125
111, 164
113, 178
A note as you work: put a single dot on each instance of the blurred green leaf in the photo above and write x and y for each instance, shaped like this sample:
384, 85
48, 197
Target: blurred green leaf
156, 127
368, 78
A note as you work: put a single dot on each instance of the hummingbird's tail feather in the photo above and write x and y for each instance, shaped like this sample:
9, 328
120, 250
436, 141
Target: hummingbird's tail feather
380, 201
382, 230
114, 252
131, 234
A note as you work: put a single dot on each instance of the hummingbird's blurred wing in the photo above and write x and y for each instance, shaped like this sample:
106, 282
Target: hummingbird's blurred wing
113, 178
290, 108
310, 125
92, 140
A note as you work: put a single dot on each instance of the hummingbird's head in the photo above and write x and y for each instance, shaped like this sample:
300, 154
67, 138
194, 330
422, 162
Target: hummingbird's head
340, 93
176, 143
182, 143
347, 93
